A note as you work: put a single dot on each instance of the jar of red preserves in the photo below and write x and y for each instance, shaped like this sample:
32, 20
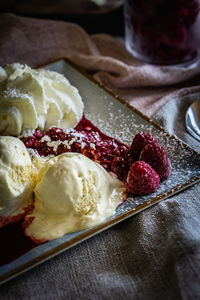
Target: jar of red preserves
163, 32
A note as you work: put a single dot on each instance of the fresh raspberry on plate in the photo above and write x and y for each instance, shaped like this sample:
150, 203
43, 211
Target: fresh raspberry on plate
140, 140
142, 179
155, 155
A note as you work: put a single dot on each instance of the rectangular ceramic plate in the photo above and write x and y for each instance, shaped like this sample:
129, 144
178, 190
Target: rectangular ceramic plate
117, 119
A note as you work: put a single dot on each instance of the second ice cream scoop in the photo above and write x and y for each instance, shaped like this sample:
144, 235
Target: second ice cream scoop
73, 193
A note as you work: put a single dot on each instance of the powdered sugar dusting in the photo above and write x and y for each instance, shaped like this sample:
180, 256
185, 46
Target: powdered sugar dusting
122, 126
115, 119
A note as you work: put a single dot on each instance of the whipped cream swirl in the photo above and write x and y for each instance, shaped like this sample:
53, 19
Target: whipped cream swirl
36, 98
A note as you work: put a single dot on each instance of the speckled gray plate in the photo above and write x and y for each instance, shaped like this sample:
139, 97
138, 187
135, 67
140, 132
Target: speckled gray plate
117, 119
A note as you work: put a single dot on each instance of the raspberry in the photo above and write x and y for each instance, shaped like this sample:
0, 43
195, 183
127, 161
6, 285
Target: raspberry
156, 156
142, 179
140, 140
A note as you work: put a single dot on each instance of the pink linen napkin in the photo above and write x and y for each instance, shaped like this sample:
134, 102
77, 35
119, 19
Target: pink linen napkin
37, 42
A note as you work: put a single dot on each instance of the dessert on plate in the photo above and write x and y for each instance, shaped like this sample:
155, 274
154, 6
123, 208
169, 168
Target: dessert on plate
64, 174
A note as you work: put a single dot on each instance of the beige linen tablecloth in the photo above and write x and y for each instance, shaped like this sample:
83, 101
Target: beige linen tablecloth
153, 255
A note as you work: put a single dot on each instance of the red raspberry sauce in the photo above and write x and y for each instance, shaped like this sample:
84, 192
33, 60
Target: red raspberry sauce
87, 139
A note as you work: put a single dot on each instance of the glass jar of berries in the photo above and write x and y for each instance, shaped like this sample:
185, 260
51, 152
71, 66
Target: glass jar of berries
163, 32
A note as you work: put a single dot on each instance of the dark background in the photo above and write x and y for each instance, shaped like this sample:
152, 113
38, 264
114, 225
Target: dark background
88, 15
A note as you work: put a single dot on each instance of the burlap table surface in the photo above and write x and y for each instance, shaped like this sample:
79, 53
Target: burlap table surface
153, 255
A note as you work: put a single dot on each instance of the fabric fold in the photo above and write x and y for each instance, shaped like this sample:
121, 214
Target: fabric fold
38, 42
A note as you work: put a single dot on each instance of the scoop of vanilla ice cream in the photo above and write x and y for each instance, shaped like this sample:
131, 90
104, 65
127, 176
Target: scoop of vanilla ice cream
17, 177
72, 193
36, 98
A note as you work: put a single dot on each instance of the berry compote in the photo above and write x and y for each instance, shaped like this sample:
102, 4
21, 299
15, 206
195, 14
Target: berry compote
87, 139
163, 32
